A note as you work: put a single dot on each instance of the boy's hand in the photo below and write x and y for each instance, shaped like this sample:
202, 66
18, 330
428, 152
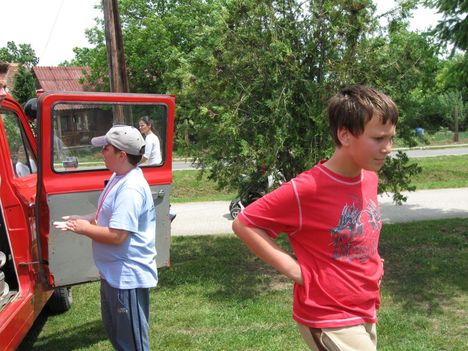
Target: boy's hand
297, 277
383, 270
74, 225
264, 247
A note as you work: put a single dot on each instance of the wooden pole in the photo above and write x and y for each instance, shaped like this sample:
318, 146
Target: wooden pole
115, 53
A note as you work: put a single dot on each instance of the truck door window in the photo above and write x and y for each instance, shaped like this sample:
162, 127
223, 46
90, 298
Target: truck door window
23, 160
74, 125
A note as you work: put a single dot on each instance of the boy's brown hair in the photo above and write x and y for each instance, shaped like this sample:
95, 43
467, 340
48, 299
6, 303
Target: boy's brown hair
354, 106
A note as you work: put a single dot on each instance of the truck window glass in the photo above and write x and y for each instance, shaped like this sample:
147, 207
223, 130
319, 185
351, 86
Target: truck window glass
23, 160
75, 124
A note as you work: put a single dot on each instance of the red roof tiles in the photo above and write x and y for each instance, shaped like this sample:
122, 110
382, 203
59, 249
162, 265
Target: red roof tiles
62, 78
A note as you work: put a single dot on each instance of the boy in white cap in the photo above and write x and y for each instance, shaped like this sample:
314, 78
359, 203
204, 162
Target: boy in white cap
123, 234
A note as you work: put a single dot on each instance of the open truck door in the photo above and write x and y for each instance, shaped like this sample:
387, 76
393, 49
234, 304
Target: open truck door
72, 174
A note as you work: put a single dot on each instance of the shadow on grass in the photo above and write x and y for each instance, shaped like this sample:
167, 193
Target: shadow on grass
221, 261
79, 337
425, 263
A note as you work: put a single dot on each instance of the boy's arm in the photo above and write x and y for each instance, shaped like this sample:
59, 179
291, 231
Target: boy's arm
265, 248
95, 232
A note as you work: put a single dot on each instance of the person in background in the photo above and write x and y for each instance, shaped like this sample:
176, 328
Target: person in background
152, 154
332, 218
3, 86
24, 167
123, 235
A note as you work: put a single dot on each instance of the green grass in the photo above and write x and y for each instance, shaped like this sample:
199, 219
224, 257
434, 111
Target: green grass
442, 172
445, 137
437, 173
442, 137
217, 296
189, 186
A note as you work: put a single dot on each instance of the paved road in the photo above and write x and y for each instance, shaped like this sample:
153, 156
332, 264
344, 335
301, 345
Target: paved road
181, 165
433, 152
213, 217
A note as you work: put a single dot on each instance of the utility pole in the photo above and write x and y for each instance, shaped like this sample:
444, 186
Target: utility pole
115, 53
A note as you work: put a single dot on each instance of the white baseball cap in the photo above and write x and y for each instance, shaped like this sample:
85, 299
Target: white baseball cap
123, 137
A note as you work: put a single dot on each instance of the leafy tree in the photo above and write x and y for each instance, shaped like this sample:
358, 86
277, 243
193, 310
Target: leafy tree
453, 28
22, 54
261, 89
252, 77
452, 104
405, 64
24, 85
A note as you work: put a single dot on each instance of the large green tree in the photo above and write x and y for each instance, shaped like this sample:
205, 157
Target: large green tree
263, 85
252, 77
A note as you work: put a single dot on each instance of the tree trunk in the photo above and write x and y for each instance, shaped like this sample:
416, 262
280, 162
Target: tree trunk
455, 126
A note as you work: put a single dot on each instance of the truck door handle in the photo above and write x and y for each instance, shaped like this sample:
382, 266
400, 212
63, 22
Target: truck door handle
158, 194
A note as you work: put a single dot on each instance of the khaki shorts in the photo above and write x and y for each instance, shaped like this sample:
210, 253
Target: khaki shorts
361, 337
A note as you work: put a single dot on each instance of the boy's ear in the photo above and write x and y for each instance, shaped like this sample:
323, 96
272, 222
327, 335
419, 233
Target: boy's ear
343, 135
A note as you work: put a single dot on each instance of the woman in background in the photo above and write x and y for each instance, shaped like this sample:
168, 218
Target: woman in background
152, 154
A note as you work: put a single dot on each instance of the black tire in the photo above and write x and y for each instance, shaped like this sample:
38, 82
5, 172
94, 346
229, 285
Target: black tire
233, 202
235, 209
60, 301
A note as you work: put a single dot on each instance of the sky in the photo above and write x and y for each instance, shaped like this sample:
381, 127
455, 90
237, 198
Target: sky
54, 27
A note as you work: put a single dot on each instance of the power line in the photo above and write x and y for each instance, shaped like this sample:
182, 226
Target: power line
52, 28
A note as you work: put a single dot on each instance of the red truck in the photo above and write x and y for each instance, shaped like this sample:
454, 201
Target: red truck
48, 169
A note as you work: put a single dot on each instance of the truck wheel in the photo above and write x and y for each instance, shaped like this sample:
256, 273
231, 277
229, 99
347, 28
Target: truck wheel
60, 301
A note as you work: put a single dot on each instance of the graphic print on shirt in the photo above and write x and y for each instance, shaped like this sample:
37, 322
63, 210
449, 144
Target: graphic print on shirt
353, 238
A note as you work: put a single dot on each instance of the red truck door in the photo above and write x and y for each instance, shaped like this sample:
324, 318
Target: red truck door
71, 173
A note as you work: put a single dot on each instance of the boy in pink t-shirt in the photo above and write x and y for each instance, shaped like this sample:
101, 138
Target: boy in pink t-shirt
332, 218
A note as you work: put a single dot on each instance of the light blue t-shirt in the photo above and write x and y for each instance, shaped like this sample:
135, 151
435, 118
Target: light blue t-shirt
127, 204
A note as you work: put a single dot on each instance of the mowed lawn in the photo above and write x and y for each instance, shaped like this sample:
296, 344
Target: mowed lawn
437, 173
217, 296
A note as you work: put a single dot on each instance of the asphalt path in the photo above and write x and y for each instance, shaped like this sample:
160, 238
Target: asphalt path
433, 152
199, 218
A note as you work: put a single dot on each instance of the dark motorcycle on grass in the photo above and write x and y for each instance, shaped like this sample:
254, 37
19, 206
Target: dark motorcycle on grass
253, 187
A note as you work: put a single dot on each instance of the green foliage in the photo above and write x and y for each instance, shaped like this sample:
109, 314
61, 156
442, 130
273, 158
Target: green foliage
24, 85
451, 103
453, 27
13, 131
396, 175
252, 78
23, 54
405, 65
265, 81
